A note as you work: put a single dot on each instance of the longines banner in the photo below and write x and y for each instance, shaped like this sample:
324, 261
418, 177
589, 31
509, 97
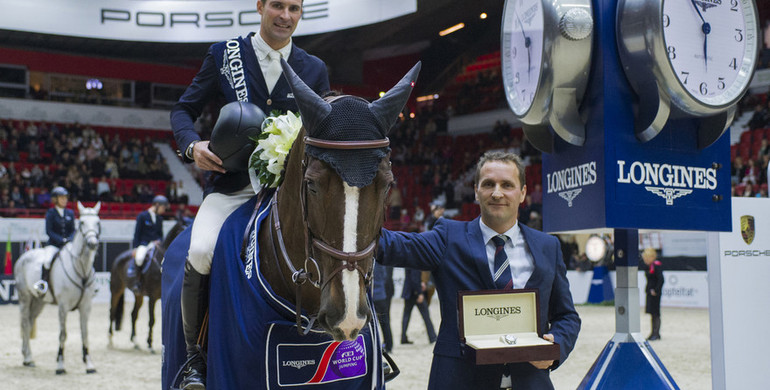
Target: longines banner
184, 21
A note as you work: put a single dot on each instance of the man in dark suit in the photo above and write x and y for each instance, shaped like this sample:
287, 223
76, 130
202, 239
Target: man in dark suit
490, 252
60, 228
149, 229
415, 294
240, 69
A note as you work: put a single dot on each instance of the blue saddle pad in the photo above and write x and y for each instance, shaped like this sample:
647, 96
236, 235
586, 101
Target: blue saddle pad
253, 341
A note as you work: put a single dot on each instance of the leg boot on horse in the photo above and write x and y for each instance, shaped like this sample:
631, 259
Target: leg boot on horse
133, 276
195, 300
42, 284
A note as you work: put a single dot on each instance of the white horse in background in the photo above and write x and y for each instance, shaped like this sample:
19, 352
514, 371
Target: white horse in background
71, 285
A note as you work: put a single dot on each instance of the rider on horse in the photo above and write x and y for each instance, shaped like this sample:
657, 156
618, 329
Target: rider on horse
60, 228
242, 69
148, 232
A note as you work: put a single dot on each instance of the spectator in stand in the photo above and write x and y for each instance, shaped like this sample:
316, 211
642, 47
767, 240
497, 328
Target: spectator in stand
5, 198
764, 148
436, 211
748, 190
419, 215
111, 168
763, 168
16, 195
103, 189
30, 199
44, 198
171, 193
12, 150
33, 151
737, 170
395, 201
759, 118
183, 213
181, 193
405, 220
751, 172
535, 221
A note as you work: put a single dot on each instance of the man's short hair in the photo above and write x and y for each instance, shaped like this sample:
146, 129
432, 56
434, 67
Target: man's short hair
503, 157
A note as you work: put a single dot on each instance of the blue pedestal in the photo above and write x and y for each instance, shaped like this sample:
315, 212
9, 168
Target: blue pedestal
633, 364
601, 286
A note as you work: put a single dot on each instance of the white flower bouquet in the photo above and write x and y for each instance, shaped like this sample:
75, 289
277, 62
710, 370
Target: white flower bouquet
273, 144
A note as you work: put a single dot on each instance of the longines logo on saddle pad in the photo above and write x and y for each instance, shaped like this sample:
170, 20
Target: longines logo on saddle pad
747, 228
668, 181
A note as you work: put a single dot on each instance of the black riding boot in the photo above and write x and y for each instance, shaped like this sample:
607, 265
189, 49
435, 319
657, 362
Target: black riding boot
195, 303
46, 274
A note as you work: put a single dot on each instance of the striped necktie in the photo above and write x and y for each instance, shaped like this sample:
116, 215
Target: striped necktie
502, 276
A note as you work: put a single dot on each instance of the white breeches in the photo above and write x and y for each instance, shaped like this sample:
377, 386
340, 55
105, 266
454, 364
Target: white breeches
208, 222
141, 253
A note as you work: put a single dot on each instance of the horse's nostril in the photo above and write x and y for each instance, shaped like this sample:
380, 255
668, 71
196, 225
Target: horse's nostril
353, 334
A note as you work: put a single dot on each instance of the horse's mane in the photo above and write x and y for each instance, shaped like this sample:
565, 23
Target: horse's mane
178, 228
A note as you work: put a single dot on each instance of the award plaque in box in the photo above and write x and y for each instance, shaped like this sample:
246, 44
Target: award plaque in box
500, 326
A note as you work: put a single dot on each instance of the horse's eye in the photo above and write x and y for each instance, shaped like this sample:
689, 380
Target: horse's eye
311, 186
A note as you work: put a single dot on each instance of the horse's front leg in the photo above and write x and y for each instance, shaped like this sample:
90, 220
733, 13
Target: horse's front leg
85, 313
134, 315
151, 309
62, 339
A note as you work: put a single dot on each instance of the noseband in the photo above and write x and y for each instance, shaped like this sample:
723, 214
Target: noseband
349, 259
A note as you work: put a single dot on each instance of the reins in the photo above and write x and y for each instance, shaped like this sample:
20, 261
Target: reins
85, 280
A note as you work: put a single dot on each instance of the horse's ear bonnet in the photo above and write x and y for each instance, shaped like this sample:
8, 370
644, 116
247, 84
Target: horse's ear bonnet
350, 118
231, 137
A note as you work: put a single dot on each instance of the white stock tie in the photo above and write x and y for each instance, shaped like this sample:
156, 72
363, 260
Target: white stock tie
273, 70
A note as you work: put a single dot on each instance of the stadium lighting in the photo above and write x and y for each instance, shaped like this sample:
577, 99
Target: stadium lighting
452, 29
427, 98
483, 15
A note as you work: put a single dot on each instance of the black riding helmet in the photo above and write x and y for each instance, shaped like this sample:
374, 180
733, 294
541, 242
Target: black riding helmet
231, 138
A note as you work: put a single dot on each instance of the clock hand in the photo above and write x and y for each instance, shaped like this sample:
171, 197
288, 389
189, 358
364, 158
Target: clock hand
529, 61
706, 28
527, 43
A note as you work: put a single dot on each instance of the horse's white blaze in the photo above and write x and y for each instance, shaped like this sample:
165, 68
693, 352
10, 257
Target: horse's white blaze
350, 286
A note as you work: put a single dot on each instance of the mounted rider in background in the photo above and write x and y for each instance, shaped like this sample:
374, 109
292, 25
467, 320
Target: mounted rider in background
147, 234
60, 228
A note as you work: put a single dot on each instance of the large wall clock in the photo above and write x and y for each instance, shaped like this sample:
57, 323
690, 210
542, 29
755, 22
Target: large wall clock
546, 57
697, 56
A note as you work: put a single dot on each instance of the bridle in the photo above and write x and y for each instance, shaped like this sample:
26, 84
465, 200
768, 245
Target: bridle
95, 232
349, 260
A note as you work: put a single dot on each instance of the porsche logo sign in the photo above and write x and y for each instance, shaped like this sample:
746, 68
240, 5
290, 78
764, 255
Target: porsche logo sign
747, 228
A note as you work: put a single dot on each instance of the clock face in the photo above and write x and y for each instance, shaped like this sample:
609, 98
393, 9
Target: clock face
711, 46
522, 52
596, 248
